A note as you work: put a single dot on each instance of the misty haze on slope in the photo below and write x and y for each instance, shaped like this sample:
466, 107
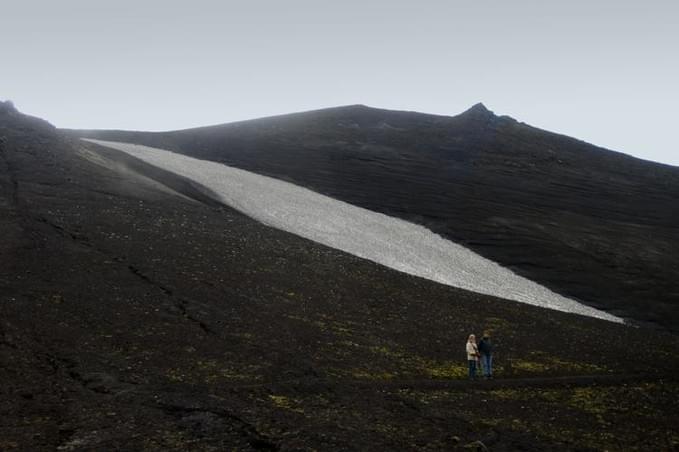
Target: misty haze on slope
389, 241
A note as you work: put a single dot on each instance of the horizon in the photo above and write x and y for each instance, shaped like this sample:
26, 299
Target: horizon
598, 73
342, 106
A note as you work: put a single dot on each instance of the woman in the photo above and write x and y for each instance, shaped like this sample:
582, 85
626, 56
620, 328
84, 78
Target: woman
472, 356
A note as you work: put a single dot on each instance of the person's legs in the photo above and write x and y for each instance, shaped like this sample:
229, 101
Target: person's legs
472, 369
487, 365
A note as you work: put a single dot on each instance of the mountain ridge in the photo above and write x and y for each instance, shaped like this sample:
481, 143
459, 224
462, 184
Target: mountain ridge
478, 110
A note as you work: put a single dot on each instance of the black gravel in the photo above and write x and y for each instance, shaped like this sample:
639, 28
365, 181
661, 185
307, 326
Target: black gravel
135, 314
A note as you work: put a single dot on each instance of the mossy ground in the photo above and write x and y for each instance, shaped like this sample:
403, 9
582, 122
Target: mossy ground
639, 416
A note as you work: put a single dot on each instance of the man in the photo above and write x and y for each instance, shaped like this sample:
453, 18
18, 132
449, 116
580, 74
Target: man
486, 351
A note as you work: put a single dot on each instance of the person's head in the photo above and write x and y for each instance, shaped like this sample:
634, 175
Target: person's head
486, 334
471, 338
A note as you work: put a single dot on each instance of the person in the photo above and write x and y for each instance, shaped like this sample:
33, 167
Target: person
472, 356
486, 351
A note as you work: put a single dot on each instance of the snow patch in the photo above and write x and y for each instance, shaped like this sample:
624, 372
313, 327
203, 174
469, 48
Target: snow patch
389, 241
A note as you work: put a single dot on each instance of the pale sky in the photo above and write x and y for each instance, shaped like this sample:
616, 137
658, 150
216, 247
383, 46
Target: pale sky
603, 71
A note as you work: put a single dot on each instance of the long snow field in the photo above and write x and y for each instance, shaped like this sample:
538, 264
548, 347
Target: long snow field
389, 241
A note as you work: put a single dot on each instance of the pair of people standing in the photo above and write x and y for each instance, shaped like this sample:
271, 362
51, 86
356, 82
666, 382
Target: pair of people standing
483, 351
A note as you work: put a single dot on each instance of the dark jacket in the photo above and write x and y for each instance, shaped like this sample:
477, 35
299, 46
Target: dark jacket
485, 346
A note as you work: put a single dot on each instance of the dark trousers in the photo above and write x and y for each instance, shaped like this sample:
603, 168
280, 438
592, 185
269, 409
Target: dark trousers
472, 368
487, 365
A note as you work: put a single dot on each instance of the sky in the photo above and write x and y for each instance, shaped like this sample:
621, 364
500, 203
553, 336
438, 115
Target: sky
604, 71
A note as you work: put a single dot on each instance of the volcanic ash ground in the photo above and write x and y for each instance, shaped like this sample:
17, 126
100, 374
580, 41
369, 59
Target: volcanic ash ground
392, 242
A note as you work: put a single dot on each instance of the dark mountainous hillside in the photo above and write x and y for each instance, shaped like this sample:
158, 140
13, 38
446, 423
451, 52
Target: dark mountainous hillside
589, 223
135, 314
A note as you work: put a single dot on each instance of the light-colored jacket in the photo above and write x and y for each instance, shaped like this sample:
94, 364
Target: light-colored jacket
472, 351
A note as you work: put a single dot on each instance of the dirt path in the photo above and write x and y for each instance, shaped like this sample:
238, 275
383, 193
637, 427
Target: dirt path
457, 384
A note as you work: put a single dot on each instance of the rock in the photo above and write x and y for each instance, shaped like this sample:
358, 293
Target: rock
7, 107
476, 445
454, 439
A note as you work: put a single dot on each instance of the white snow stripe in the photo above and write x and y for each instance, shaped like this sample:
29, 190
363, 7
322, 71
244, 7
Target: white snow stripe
389, 241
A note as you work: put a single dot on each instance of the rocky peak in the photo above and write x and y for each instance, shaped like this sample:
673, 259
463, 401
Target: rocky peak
7, 107
478, 110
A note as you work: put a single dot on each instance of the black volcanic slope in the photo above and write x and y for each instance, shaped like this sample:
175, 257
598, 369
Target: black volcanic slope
135, 314
589, 223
